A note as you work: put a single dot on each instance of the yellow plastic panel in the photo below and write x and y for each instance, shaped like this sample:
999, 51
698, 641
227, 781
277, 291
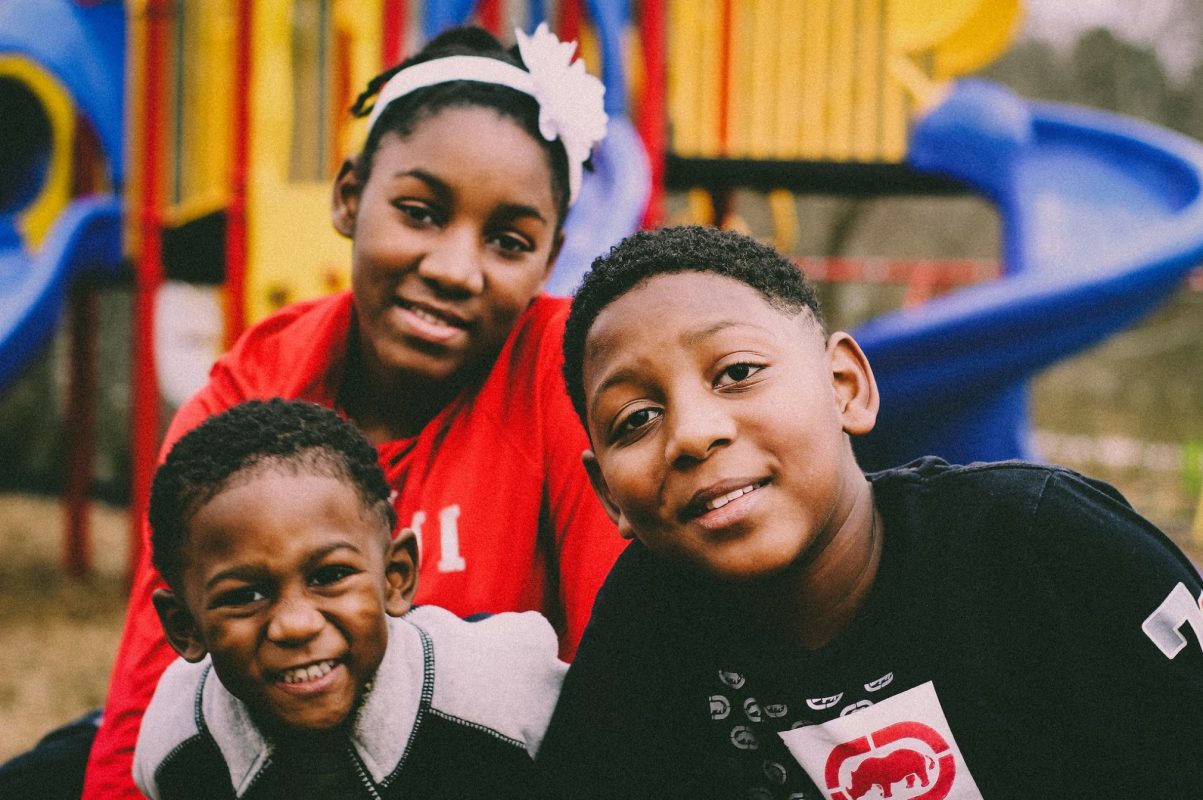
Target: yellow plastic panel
982, 38
815, 68
685, 79
839, 92
198, 171
710, 51
37, 218
293, 252
790, 110
919, 24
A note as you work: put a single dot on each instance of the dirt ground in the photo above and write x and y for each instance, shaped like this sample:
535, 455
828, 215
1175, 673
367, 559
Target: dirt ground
57, 635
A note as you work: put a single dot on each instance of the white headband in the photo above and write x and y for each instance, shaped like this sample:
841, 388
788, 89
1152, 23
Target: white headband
569, 98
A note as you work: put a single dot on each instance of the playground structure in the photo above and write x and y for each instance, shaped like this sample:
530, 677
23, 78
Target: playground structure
192, 142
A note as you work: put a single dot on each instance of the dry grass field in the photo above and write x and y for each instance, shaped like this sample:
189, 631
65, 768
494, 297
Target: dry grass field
57, 635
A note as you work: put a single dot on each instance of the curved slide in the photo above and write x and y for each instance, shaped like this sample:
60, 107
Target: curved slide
1102, 219
33, 287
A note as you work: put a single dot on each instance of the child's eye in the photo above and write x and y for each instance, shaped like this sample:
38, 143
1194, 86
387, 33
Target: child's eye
737, 373
331, 574
420, 213
511, 243
243, 596
635, 421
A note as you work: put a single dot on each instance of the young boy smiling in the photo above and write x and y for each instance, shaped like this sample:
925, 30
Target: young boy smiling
788, 627
304, 671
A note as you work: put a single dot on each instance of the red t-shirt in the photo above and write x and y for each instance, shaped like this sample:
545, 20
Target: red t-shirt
493, 485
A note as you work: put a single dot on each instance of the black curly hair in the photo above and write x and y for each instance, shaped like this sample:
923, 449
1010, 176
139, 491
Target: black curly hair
687, 248
257, 434
405, 113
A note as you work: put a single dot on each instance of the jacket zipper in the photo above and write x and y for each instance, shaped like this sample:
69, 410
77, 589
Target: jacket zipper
364, 778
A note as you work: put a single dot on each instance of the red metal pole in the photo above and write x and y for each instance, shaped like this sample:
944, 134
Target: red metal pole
570, 21
490, 16
81, 423
84, 326
236, 229
653, 116
392, 47
148, 274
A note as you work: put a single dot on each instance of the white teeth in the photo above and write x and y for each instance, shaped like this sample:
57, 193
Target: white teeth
721, 501
310, 673
428, 317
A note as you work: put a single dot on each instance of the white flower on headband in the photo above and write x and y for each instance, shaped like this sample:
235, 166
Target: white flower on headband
570, 99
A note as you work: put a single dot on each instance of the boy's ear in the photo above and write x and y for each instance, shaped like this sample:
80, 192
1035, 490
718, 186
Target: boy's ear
344, 201
401, 573
857, 400
179, 625
593, 469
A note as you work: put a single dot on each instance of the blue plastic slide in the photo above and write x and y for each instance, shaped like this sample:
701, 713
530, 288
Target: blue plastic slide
86, 236
1102, 219
82, 47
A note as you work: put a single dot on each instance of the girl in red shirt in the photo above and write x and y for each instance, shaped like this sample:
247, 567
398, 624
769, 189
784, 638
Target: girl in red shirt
444, 353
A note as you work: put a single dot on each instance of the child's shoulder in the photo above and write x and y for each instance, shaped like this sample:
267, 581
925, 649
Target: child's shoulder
1002, 509
195, 730
1015, 485
501, 672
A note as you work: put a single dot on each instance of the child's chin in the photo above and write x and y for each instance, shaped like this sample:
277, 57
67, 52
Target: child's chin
283, 723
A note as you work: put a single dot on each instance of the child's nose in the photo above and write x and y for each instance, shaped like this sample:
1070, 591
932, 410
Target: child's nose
295, 620
452, 262
696, 429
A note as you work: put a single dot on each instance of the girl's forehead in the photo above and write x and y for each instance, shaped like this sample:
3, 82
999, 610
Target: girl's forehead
472, 148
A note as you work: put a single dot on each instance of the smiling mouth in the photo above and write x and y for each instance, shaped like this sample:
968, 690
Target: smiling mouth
705, 504
431, 316
309, 672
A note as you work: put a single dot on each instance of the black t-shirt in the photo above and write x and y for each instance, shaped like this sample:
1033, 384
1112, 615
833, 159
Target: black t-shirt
1028, 636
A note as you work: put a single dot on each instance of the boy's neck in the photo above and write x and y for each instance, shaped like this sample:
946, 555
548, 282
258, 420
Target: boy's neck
814, 601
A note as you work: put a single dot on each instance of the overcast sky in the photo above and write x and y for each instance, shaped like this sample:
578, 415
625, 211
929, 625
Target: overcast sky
1141, 21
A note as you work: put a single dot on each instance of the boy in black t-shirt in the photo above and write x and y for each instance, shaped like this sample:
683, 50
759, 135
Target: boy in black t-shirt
304, 670
787, 627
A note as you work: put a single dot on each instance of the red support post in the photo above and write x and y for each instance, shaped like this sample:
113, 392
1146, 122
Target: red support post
81, 426
148, 274
652, 114
570, 21
490, 16
392, 48
236, 229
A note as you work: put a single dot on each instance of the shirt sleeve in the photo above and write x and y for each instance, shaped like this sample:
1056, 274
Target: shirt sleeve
143, 653
1133, 599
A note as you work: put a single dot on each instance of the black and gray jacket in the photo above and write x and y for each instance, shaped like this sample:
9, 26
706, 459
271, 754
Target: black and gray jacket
457, 710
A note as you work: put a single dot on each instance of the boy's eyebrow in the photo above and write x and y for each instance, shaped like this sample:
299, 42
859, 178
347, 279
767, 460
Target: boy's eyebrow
251, 571
713, 328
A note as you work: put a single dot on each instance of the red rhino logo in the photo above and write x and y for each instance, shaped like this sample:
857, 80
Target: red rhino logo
884, 771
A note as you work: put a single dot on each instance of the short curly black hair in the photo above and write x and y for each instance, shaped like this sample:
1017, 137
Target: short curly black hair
253, 435
687, 248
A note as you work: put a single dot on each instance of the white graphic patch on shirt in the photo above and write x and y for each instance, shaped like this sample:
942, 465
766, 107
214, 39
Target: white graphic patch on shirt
900, 748
1177, 610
